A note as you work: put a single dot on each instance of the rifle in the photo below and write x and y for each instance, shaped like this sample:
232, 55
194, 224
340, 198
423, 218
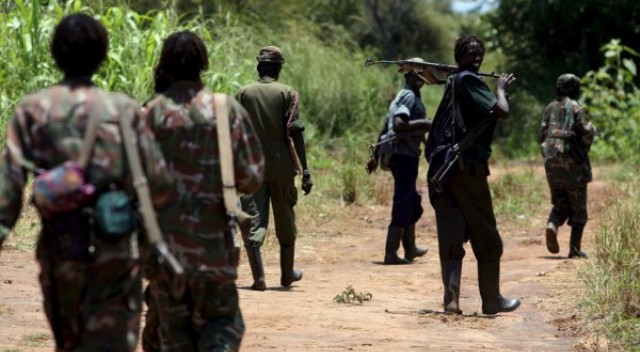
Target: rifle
458, 149
413, 65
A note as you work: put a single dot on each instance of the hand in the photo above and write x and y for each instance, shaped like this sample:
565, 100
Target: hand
431, 77
505, 80
307, 184
372, 165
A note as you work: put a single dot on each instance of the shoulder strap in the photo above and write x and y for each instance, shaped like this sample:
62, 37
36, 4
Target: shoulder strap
90, 133
141, 185
93, 121
229, 192
568, 117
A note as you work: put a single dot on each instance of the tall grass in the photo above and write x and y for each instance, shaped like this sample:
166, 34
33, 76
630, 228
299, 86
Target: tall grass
613, 278
341, 102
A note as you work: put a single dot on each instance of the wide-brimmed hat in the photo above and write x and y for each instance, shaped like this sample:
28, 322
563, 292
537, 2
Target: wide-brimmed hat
415, 68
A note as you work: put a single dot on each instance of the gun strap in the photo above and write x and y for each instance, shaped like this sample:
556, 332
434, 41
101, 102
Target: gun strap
93, 121
154, 235
92, 127
229, 191
471, 135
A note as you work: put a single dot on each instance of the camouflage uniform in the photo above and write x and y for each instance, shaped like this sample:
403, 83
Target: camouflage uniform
565, 137
207, 317
91, 286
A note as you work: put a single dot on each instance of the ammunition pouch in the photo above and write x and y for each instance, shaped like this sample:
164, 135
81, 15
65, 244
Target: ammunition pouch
115, 215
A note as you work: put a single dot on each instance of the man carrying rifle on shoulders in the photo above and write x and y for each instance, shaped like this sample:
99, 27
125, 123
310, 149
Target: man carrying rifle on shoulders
463, 129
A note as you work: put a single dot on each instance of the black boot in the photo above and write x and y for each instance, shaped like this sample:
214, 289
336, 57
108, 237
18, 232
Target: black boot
409, 244
451, 273
255, 261
288, 273
394, 236
575, 241
489, 282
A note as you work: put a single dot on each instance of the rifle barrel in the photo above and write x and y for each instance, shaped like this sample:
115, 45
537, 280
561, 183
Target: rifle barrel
442, 67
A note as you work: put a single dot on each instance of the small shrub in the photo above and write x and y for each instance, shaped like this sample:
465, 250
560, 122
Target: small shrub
350, 296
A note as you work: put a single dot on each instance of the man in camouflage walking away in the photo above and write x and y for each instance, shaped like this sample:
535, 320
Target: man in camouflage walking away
91, 284
184, 116
565, 137
273, 107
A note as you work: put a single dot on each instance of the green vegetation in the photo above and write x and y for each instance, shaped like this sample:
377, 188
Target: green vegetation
342, 103
613, 279
350, 296
36, 340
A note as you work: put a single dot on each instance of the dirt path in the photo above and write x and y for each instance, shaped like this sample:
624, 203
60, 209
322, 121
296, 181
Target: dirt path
404, 312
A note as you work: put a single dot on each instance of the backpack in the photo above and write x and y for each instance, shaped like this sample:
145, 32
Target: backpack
560, 131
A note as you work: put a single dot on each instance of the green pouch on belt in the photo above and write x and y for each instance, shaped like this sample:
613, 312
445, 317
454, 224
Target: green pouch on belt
115, 214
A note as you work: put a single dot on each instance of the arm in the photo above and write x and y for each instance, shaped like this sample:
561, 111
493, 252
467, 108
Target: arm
420, 127
298, 145
544, 126
402, 113
585, 130
295, 127
501, 109
13, 177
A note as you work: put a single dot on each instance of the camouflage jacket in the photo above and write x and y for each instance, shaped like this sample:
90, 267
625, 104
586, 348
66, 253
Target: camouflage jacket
196, 225
48, 128
565, 138
273, 107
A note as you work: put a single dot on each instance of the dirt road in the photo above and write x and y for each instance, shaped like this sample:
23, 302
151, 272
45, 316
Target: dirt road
404, 311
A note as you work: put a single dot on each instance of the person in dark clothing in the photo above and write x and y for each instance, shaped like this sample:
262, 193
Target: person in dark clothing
463, 204
404, 130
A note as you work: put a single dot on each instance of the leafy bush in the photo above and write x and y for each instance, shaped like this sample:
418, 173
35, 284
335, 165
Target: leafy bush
612, 101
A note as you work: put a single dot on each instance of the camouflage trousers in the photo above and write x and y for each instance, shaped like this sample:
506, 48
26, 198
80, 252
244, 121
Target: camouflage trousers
206, 317
92, 301
569, 203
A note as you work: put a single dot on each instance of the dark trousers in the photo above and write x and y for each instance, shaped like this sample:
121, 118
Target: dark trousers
464, 211
406, 208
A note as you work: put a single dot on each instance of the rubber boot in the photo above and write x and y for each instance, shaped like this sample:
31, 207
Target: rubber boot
288, 273
394, 236
451, 273
551, 234
574, 243
489, 282
409, 244
255, 262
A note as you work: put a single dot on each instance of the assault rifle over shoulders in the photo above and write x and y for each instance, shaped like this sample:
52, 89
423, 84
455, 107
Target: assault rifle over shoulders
429, 68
